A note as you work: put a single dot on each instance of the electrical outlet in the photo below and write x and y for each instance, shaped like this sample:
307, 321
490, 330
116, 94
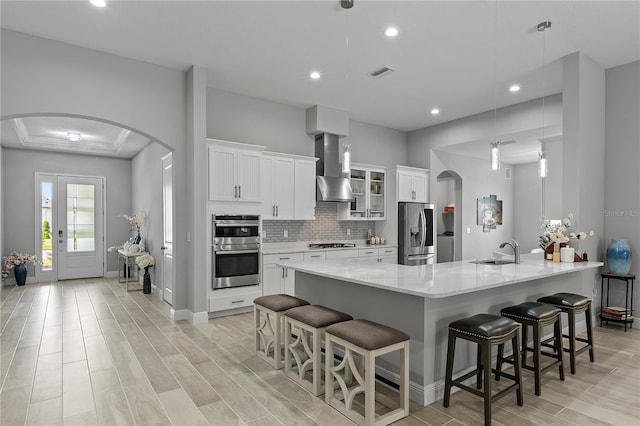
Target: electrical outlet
286, 234
348, 231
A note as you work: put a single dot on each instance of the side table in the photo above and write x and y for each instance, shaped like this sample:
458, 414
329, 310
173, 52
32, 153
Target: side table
127, 261
626, 317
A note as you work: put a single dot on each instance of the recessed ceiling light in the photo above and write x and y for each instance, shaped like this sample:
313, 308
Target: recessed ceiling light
391, 32
98, 3
514, 88
74, 137
435, 111
315, 75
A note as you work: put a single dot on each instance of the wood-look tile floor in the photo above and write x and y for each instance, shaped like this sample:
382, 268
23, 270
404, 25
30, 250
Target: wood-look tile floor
88, 352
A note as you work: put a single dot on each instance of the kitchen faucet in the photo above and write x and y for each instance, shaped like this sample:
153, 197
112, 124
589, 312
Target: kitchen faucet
516, 249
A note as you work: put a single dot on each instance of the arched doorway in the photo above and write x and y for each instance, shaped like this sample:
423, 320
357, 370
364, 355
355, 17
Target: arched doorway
449, 204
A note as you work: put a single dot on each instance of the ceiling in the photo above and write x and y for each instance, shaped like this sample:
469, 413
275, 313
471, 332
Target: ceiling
448, 54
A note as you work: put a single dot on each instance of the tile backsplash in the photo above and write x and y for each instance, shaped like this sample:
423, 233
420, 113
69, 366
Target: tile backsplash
326, 227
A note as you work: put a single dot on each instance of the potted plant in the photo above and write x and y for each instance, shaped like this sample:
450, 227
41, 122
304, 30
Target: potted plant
18, 262
145, 262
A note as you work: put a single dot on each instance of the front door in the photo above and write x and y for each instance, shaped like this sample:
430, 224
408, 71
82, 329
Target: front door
167, 221
79, 229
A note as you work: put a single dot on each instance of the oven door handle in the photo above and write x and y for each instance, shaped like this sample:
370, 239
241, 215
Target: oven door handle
236, 225
223, 252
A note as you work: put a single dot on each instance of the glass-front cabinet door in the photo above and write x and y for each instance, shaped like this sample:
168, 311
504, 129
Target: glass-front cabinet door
368, 186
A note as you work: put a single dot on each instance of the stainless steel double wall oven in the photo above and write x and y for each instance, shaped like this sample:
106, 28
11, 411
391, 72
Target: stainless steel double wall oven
236, 251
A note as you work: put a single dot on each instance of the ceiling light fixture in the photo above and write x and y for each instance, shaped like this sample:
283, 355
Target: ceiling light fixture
74, 136
435, 111
98, 3
315, 75
495, 155
391, 32
543, 165
514, 88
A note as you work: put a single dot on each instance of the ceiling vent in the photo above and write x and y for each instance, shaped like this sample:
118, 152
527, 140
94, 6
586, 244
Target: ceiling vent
382, 72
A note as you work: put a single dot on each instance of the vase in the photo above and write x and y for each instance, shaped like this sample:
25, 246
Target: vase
20, 271
619, 257
138, 238
146, 281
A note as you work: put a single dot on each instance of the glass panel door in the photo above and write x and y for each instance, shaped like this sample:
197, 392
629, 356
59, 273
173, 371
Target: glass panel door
358, 186
81, 227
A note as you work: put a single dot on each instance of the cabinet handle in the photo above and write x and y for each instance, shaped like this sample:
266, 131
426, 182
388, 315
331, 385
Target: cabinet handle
317, 255
237, 301
239, 191
285, 258
369, 252
277, 211
283, 271
273, 211
286, 273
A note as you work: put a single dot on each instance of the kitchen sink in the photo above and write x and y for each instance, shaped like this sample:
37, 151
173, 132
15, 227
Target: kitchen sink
492, 261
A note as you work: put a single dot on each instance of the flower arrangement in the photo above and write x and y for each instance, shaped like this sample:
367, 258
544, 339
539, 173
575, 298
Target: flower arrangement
15, 259
145, 261
136, 220
557, 232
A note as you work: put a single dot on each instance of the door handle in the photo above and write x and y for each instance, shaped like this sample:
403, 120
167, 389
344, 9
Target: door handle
163, 248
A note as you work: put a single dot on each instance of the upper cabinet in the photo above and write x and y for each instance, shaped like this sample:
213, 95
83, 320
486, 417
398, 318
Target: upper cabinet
412, 184
369, 191
287, 187
234, 171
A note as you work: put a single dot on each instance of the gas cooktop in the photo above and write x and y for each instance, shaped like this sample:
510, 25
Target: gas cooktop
330, 245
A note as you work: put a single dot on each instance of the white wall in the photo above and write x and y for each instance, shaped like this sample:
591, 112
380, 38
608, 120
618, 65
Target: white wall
527, 205
41, 76
18, 174
146, 195
622, 160
282, 128
477, 182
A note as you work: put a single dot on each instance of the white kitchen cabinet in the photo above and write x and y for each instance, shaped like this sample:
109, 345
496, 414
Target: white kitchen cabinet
314, 256
277, 279
234, 171
287, 187
369, 190
412, 184
379, 254
305, 189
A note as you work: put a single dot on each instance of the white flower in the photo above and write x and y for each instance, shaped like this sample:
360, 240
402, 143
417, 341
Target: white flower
556, 233
145, 261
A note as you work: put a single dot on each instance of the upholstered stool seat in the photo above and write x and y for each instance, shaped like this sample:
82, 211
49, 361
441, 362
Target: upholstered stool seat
303, 352
486, 330
573, 304
537, 315
367, 340
269, 334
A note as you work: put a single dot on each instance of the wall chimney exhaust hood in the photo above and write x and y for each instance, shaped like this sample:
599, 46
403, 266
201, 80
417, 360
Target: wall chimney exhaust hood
327, 125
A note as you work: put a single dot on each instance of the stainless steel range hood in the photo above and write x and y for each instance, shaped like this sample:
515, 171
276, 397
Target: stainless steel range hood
332, 186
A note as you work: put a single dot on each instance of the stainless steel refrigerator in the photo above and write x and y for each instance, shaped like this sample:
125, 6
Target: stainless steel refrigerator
415, 234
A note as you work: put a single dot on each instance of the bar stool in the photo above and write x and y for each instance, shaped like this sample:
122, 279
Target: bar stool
306, 348
573, 304
368, 340
268, 339
486, 330
537, 315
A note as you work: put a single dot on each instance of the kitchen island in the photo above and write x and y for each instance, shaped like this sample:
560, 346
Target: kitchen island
423, 300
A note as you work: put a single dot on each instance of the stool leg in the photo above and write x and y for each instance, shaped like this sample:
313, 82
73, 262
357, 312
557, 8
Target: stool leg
479, 367
536, 356
286, 343
317, 361
572, 341
277, 344
451, 348
404, 378
256, 317
486, 363
525, 341
517, 371
590, 332
328, 366
557, 335
499, 361
370, 389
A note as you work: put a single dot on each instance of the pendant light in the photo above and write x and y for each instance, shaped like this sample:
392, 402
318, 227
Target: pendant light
543, 165
494, 147
346, 159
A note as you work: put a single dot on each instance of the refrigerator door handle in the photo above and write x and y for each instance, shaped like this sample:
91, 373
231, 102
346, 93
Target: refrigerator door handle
423, 219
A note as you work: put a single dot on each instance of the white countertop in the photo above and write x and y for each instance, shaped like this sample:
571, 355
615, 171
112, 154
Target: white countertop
302, 247
442, 279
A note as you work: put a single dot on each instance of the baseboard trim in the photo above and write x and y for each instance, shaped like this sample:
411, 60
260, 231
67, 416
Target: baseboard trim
198, 317
179, 315
111, 274
228, 312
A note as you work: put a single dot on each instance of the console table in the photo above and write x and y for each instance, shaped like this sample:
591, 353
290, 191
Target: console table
627, 315
127, 261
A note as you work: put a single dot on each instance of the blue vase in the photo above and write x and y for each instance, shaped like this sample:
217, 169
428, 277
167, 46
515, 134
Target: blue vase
619, 257
20, 272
